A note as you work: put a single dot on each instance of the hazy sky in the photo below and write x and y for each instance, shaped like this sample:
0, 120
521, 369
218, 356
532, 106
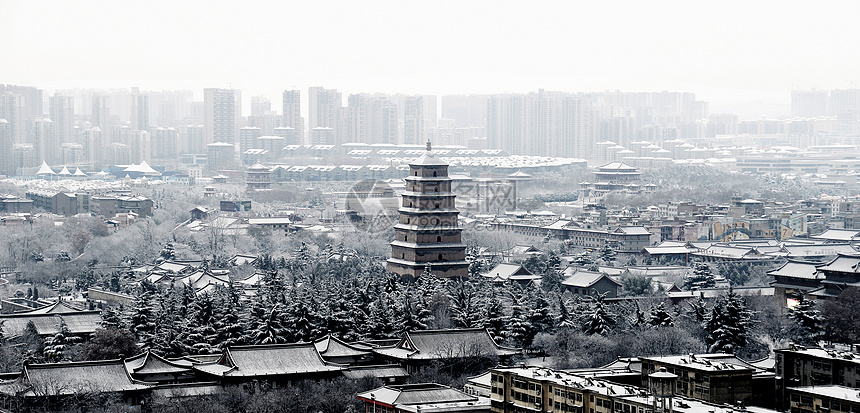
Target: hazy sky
728, 52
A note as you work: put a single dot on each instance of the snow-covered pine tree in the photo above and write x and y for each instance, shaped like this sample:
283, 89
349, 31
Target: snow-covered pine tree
660, 316
700, 277
464, 304
493, 318
728, 324
599, 319
808, 319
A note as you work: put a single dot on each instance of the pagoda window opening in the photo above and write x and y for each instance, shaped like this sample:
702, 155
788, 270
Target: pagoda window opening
436, 189
434, 173
407, 220
437, 206
438, 239
403, 255
440, 257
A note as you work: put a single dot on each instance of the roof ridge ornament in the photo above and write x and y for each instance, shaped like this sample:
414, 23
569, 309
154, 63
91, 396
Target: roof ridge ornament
428, 146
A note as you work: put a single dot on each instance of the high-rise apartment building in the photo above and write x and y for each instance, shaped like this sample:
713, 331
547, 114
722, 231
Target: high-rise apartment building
45, 146
808, 103
7, 166
165, 143
140, 110
191, 138
95, 148
100, 116
293, 113
289, 135
62, 113
12, 109
248, 138
222, 110
260, 105
413, 120
324, 108
541, 123
371, 119
465, 110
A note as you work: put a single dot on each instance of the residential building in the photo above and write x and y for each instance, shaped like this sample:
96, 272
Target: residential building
803, 367
222, 110
528, 389
715, 378
324, 106
829, 398
293, 115
62, 113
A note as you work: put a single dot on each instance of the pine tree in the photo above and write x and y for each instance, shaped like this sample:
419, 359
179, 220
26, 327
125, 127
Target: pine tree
464, 304
381, 318
57, 345
413, 314
728, 324
564, 319
202, 335
540, 313
599, 319
167, 252
700, 277
264, 324
698, 311
228, 321
112, 317
300, 319
660, 316
808, 320
494, 319
142, 319
518, 327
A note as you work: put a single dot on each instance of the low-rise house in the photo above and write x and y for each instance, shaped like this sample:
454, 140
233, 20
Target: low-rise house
795, 279
423, 397
419, 348
334, 350
387, 373
151, 368
513, 272
278, 363
589, 283
80, 323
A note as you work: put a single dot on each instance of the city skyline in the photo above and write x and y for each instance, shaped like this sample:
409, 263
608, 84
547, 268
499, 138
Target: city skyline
748, 56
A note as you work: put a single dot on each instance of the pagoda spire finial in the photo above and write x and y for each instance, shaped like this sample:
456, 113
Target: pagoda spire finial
428, 146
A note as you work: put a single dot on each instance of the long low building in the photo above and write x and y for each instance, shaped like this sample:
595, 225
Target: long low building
631, 239
540, 389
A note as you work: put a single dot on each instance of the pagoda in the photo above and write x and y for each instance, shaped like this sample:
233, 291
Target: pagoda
427, 235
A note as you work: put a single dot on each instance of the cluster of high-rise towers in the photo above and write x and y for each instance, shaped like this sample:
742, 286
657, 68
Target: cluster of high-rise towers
92, 129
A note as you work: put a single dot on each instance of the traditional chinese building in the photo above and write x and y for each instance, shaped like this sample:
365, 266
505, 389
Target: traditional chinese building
428, 235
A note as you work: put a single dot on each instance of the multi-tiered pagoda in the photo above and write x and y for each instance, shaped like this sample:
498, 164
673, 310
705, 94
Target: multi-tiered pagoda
427, 235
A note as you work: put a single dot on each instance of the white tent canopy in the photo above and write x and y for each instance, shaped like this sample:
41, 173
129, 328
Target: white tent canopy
45, 169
